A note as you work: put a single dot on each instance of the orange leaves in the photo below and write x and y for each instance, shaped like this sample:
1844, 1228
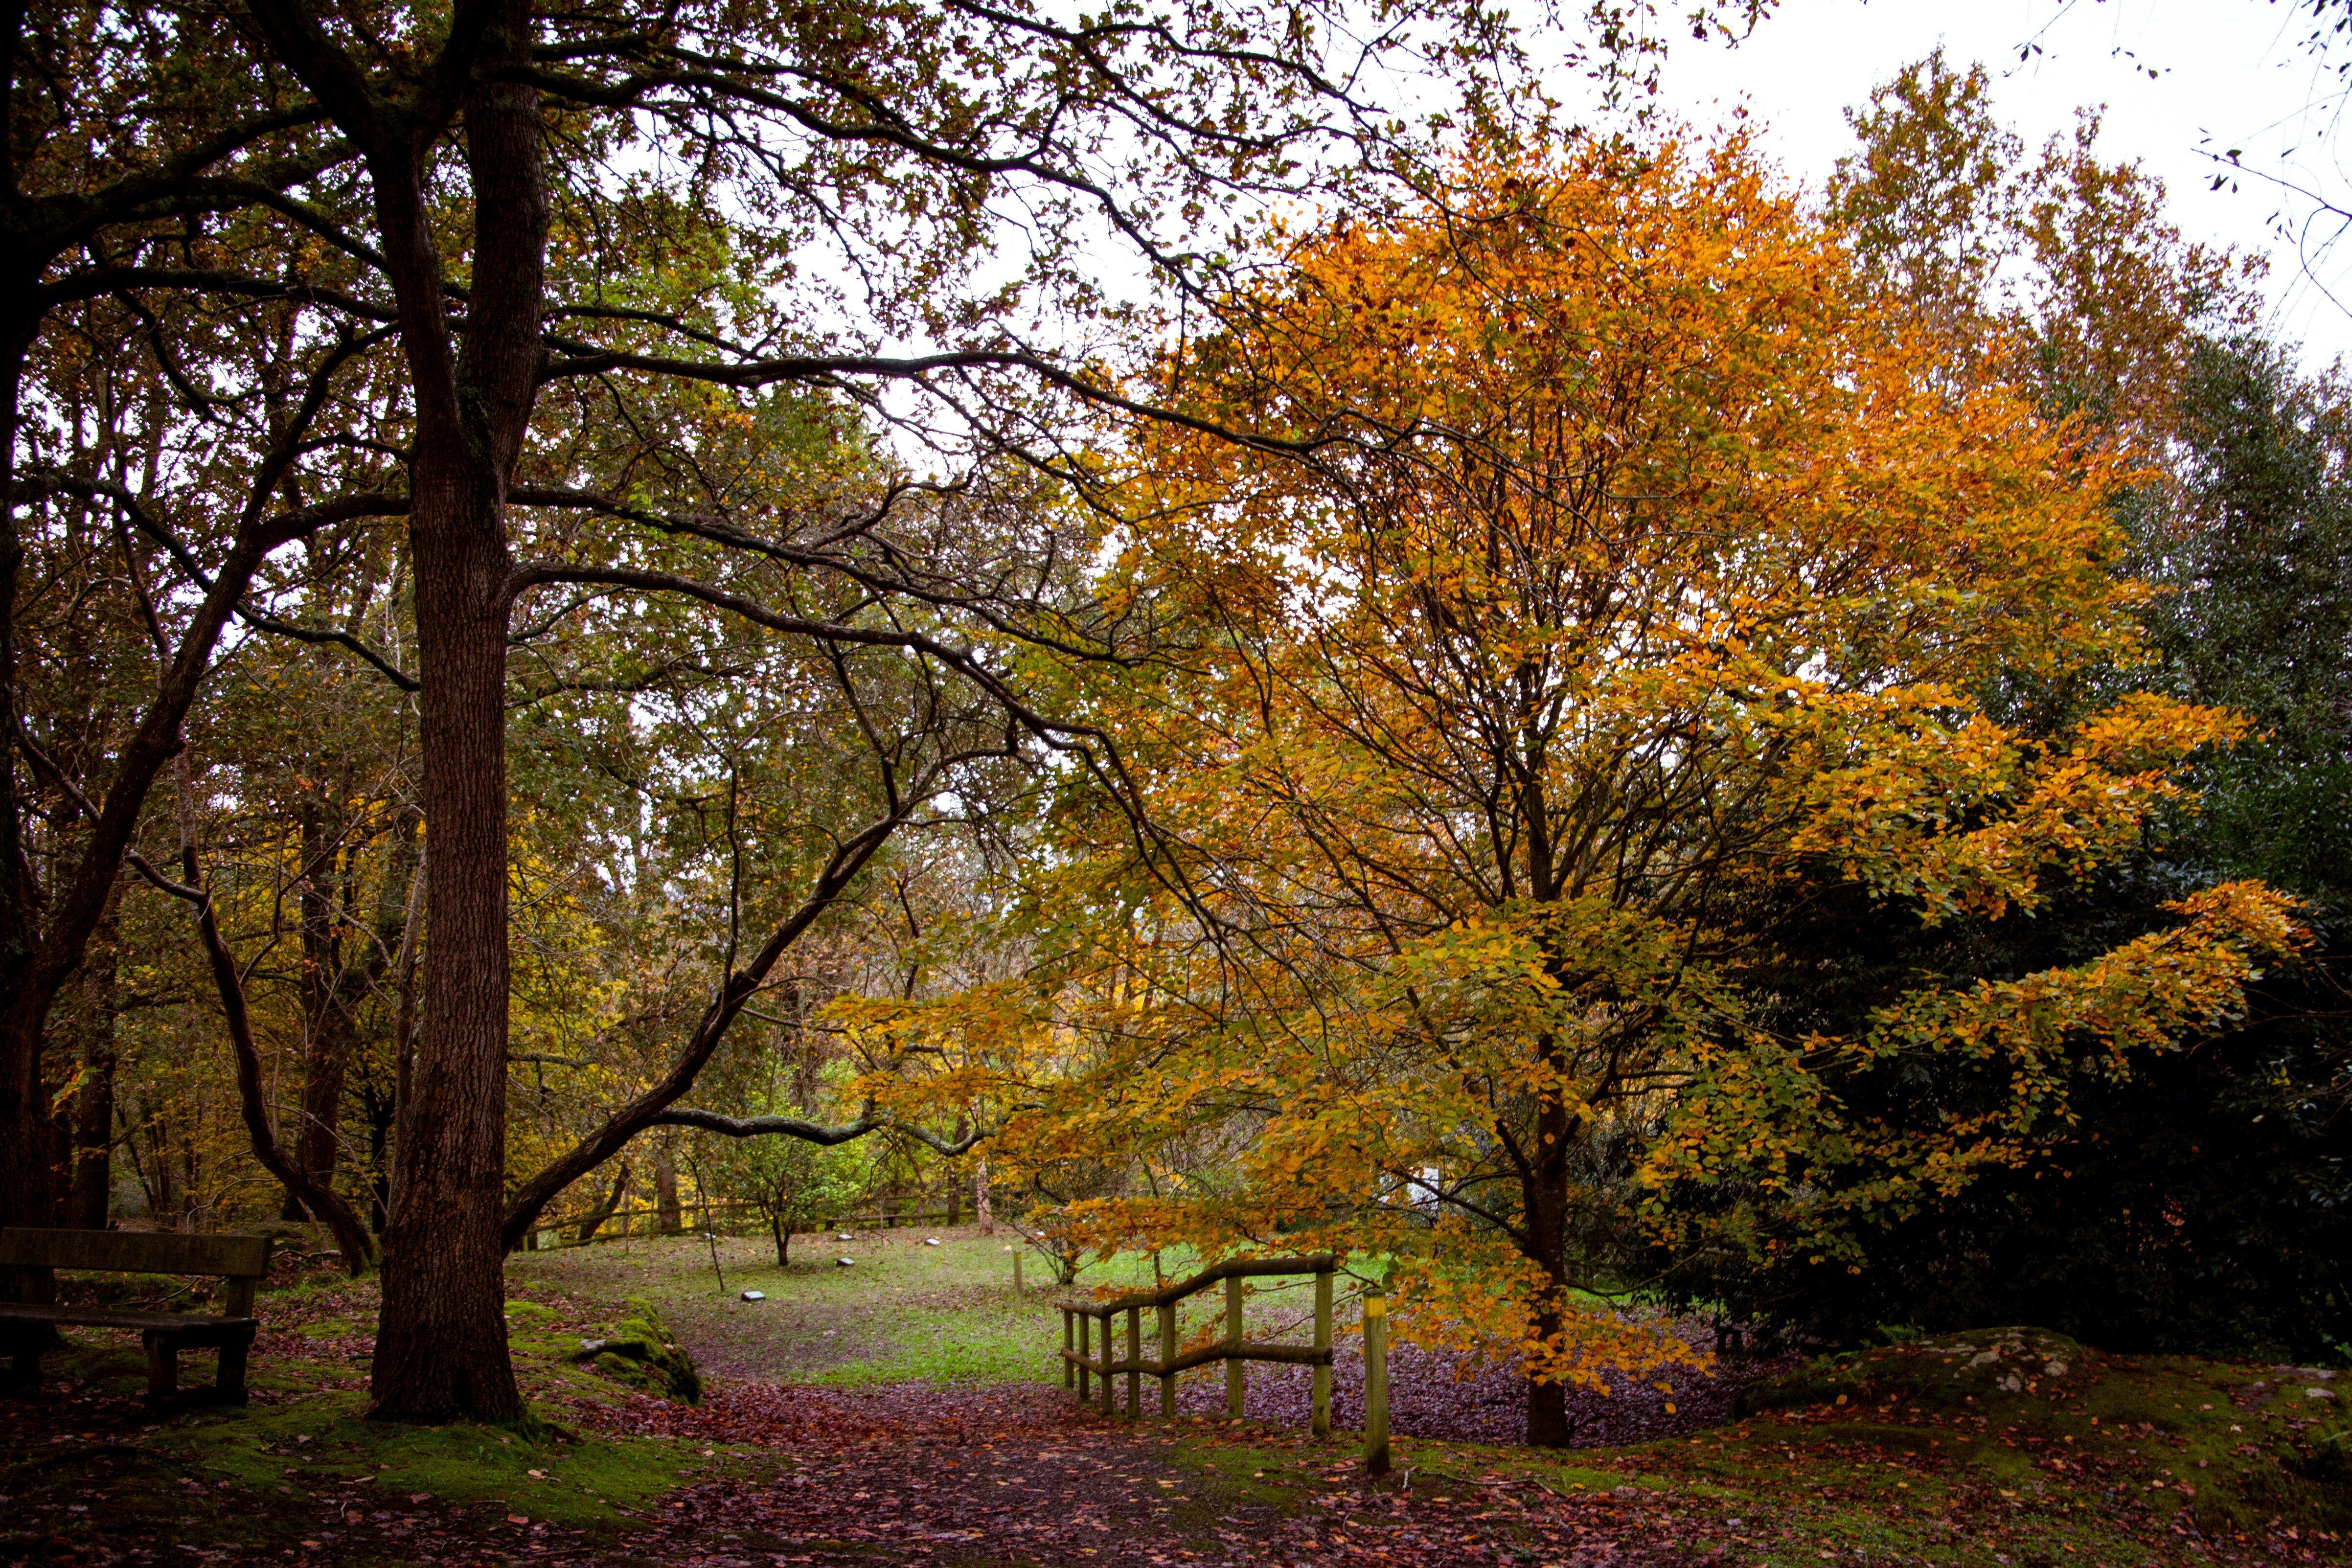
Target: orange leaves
1647, 583
1969, 817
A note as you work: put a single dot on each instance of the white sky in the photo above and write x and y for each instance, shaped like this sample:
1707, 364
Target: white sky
2230, 73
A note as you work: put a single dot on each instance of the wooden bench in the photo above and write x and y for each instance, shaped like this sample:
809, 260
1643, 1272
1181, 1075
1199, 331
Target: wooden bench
35, 1256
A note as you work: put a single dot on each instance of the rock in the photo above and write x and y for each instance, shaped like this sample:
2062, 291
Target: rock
932, 1241
842, 1236
845, 1263
641, 1352
755, 1295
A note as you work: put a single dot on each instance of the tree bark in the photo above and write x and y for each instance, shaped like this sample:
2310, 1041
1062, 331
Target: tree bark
441, 1347
1544, 1191
670, 1216
90, 1199
24, 1181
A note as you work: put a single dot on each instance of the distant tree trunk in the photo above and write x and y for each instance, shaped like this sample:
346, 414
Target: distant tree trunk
670, 1216
604, 1211
955, 1188
328, 1028
779, 1227
335, 982
93, 1165
980, 1199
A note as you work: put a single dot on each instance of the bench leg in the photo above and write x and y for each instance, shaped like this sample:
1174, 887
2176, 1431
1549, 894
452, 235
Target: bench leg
229, 1384
162, 1365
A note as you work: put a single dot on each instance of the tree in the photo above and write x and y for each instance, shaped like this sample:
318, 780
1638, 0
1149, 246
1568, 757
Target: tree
2191, 1205
2059, 273
1669, 574
794, 1183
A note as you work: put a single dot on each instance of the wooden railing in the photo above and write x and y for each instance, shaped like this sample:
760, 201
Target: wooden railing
1081, 1366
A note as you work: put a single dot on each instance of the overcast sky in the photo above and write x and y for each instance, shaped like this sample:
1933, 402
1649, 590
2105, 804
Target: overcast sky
2228, 73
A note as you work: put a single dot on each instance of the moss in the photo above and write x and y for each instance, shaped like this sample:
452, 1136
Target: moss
1978, 1370
640, 1352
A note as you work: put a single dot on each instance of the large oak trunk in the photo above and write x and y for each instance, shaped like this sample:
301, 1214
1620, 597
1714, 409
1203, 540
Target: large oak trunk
441, 1349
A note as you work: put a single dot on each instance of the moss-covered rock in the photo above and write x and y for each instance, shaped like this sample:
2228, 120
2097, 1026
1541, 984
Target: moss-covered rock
641, 1352
1950, 1372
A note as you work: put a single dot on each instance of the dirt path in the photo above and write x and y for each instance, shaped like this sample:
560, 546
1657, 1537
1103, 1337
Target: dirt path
1021, 1476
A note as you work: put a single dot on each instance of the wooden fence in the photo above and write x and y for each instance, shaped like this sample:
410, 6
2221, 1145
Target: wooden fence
728, 1217
1083, 1365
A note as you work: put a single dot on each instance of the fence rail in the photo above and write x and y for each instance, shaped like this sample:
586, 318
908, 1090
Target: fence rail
731, 1213
1082, 1366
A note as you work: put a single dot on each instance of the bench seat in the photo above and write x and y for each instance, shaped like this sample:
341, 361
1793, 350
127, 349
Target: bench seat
113, 1318
29, 1259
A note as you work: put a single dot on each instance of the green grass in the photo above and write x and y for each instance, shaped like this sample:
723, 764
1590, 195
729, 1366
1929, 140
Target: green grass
322, 1444
901, 1313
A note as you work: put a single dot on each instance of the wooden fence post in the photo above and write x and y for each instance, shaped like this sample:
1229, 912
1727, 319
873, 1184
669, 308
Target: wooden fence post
1109, 1354
1134, 1354
1167, 1354
1376, 1383
1085, 1324
1322, 1418
1016, 1273
1233, 1372
1069, 1373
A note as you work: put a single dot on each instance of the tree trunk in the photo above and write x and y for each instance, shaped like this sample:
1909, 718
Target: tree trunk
980, 1199
1544, 1190
783, 1232
602, 1210
441, 1346
328, 1028
670, 1215
24, 1163
94, 1167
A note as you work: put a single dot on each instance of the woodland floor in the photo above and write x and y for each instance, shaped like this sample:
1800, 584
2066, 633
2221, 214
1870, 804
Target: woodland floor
906, 1411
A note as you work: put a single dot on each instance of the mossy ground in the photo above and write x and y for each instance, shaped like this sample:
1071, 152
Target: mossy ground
1948, 1453
87, 1468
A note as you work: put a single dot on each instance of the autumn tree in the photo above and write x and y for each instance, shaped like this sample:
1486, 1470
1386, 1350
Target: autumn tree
1664, 574
664, 218
2050, 269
